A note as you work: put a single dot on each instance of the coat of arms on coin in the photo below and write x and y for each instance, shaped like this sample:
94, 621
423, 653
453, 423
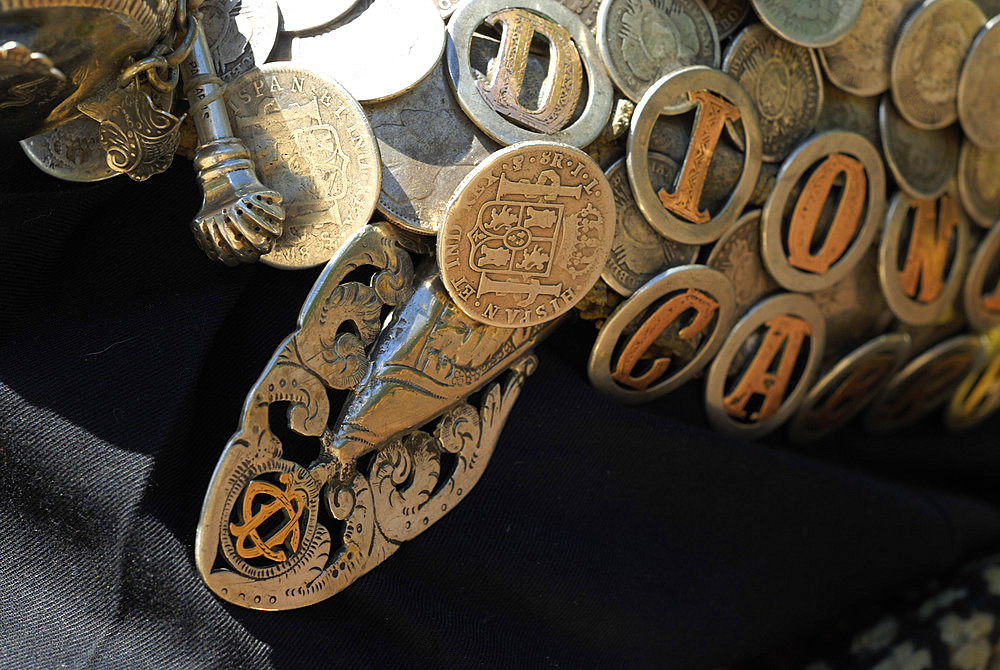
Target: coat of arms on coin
526, 234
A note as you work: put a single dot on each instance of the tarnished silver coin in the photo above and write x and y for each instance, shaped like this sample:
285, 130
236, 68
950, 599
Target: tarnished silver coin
737, 255
923, 253
981, 292
428, 145
586, 10
813, 23
859, 63
930, 49
811, 245
678, 214
922, 161
240, 33
728, 15
638, 252
847, 387
303, 16
785, 83
526, 234
979, 88
978, 395
71, 152
310, 142
843, 111
854, 307
643, 40
495, 103
781, 341
663, 335
924, 384
979, 183
384, 50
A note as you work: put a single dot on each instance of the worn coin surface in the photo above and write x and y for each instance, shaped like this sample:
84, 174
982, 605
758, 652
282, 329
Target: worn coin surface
494, 103
979, 183
924, 384
785, 83
643, 40
72, 151
663, 335
410, 39
311, 142
923, 253
728, 15
638, 252
737, 255
922, 161
814, 23
847, 388
979, 88
678, 214
930, 49
981, 292
765, 367
843, 111
585, 9
427, 145
526, 234
303, 16
810, 246
859, 63
240, 33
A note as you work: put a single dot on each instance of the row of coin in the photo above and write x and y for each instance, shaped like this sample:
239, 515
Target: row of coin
532, 220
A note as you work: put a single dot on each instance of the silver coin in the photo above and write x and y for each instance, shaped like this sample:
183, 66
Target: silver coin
785, 335
979, 183
930, 49
428, 145
981, 292
658, 317
785, 83
979, 88
816, 23
859, 63
923, 253
383, 51
847, 387
71, 152
728, 15
585, 9
924, 384
643, 40
639, 253
737, 255
922, 161
240, 33
843, 111
302, 16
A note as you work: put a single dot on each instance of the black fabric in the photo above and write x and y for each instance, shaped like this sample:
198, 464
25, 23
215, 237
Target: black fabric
599, 535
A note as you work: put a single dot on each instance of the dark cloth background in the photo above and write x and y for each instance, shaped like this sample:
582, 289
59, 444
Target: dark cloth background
599, 535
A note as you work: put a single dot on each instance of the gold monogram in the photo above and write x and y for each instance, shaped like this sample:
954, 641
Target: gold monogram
564, 80
290, 503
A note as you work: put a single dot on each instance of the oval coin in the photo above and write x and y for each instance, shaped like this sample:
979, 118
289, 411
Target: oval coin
639, 253
922, 161
785, 83
782, 340
930, 49
663, 335
526, 234
311, 142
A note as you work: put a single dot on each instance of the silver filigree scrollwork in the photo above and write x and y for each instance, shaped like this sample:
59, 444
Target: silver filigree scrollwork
279, 534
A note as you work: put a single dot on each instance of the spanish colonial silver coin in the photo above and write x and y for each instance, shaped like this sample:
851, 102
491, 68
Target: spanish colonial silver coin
383, 51
785, 83
923, 162
643, 40
815, 23
663, 335
638, 252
